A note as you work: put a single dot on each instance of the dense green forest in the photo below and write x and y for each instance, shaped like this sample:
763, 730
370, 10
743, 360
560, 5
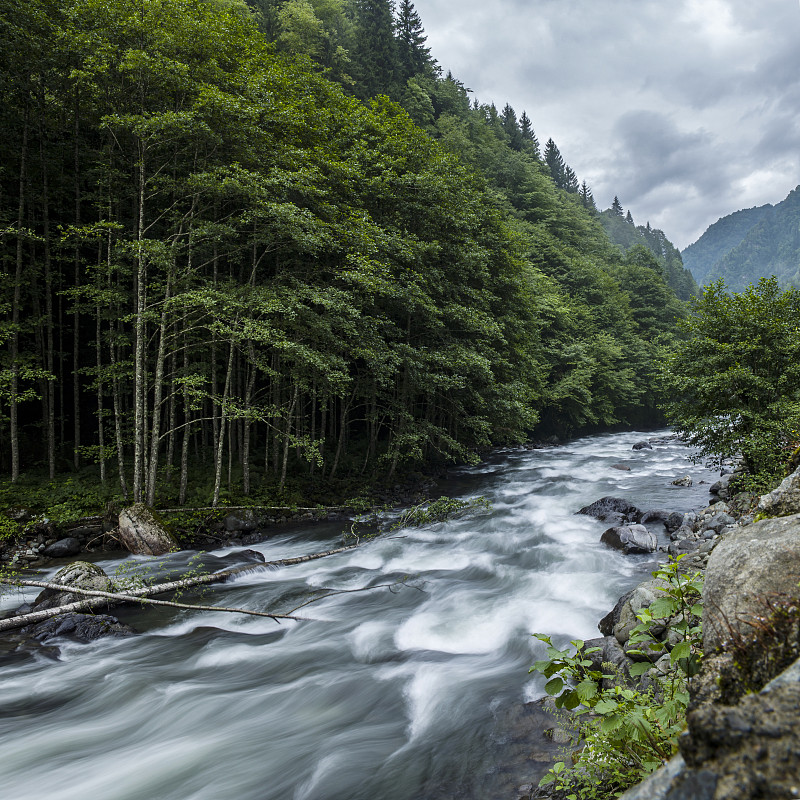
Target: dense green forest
246, 246
750, 244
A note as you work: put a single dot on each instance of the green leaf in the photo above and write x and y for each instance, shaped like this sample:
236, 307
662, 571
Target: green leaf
606, 706
586, 691
554, 686
681, 650
639, 668
611, 723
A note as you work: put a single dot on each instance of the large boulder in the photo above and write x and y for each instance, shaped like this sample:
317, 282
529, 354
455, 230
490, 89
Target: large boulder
612, 509
630, 539
63, 548
80, 574
141, 533
746, 572
784, 500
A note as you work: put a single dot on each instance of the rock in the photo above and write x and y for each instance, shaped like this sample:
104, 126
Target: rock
784, 500
643, 445
682, 547
86, 532
655, 515
253, 555
606, 625
141, 533
641, 597
684, 481
80, 574
63, 548
673, 521
720, 488
245, 521
610, 652
717, 522
630, 539
622, 467
746, 570
83, 627
684, 532
612, 509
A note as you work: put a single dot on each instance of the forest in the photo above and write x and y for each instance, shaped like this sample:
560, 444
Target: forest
252, 250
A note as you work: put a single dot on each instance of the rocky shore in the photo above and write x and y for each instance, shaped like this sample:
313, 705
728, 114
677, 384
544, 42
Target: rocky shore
743, 731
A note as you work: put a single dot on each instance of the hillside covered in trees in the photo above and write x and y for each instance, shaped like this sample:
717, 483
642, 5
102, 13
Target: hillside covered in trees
750, 244
244, 246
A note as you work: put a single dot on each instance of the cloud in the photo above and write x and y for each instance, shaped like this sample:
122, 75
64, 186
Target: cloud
687, 110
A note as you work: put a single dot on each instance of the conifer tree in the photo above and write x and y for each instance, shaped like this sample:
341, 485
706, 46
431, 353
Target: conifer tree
555, 163
374, 51
511, 127
414, 58
570, 180
629, 218
616, 206
529, 140
587, 198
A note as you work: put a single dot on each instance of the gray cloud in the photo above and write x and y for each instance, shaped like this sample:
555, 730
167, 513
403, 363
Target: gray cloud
686, 110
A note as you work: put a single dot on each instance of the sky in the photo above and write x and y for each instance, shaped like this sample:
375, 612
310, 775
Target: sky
687, 110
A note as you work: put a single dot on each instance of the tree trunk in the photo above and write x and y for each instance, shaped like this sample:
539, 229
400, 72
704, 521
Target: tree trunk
140, 398
287, 432
221, 442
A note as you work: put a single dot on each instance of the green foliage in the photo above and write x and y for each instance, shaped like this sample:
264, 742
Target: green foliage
626, 732
432, 511
9, 530
735, 381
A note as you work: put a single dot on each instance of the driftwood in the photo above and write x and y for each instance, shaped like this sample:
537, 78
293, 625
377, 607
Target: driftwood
136, 595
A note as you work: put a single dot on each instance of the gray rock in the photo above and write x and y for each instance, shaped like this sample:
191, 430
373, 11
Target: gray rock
784, 500
684, 532
682, 547
641, 597
621, 467
749, 566
655, 515
674, 521
656, 786
141, 533
643, 445
720, 488
80, 574
606, 625
243, 521
630, 539
83, 627
612, 509
684, 481
717, 522
63, 548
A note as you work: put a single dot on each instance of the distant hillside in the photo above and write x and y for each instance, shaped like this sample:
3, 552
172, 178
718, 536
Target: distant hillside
750, 244
624, 233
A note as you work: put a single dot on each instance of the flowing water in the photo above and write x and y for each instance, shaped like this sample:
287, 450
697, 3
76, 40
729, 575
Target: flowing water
390, 694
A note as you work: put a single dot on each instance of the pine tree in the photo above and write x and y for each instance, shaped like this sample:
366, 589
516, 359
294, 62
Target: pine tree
414, 57
374, 51
570, 180
629, 218
555, 163
616, 206
529, 140
586, 196
511, 127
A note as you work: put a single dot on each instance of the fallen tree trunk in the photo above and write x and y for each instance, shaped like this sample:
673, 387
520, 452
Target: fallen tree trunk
135, 595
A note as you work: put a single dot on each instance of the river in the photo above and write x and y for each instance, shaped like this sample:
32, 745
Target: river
393, 694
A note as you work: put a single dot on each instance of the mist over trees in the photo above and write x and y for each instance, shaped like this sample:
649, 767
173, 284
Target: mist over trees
228, 265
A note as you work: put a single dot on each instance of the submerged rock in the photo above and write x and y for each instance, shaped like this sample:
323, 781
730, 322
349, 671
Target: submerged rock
142, 534
630, 539
684, 481
643, 445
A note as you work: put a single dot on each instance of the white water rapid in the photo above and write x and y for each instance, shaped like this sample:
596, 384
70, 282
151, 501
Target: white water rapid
383, 695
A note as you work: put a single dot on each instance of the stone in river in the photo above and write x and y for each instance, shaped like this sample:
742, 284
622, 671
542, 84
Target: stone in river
63, 548
630, 539
612, 509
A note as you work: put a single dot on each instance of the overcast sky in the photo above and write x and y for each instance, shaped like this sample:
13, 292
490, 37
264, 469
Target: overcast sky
687, 110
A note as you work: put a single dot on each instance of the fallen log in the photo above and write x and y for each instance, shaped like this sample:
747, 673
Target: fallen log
135, 595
